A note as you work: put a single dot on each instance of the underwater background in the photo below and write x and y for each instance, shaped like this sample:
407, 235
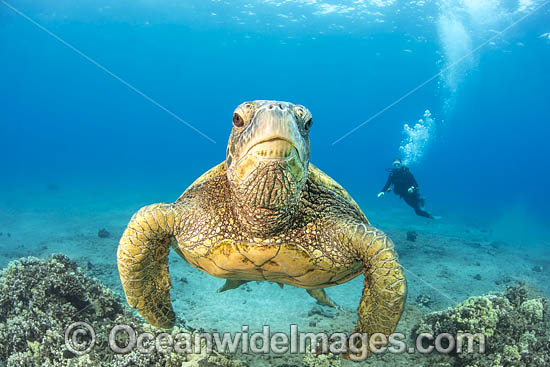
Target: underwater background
107, 106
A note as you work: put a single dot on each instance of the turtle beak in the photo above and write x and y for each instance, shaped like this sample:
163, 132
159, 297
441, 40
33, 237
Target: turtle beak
269, 157
274, 139
276, 133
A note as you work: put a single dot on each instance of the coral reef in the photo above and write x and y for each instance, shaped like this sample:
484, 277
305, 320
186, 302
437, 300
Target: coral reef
321, 360
411, 236
103, 233
424, 300
39, 299
516, 328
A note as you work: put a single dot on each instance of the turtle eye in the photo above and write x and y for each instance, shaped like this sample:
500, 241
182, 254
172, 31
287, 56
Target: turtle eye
238, 120
308, 124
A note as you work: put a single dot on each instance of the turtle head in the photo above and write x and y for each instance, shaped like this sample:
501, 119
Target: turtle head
268, 156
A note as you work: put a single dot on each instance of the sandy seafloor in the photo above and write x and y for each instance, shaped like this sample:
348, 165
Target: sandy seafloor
442, 264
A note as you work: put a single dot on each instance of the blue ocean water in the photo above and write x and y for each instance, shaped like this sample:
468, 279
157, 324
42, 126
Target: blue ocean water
95, 99
64, 119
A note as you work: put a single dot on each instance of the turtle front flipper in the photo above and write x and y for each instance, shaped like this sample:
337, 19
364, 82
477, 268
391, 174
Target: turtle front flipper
143, 262
385, 287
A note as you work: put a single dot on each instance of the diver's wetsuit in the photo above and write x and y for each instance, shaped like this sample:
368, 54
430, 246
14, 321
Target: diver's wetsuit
402, 179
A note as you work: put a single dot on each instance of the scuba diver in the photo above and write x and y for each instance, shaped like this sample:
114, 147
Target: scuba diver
405, 185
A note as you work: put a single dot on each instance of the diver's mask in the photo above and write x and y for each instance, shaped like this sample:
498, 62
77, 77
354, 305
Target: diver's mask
397, 165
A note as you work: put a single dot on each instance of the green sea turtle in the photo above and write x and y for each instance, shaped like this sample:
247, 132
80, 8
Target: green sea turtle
265, 213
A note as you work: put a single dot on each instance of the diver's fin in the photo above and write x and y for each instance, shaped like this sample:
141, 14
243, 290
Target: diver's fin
231, 284
321, 296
